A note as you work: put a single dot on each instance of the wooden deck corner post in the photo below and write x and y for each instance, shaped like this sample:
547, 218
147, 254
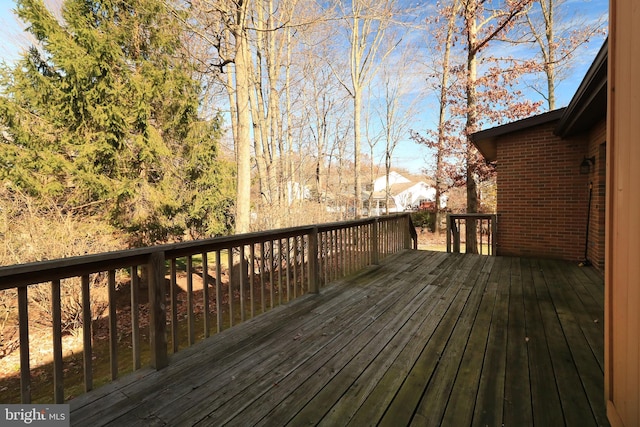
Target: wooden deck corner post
157, 311
493, 232
407, 231
456, 234
448, 233
375, 250
314, 271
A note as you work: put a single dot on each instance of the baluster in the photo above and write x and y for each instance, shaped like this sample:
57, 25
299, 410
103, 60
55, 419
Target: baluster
113, 329
323, 258
280, 271
288, 268
335, 257
478, 222
252, 274
263, 298
243, 281
349, 251
295, 266
314, 280
174, 305
219, 320
375, 242
25, 368
230, 286
87, 363
135, 318
191, 321
56, 314
356, 248
271, 287
205, 293
343, 252
302, 264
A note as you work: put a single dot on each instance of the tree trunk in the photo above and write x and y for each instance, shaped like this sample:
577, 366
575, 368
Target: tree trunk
550, 64
387, 186
471, 244
243, 137
444, 83
357, 101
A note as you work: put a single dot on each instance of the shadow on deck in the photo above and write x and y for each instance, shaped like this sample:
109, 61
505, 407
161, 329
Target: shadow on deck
426, 338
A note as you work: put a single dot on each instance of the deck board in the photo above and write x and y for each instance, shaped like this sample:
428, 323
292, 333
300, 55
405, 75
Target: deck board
545, 398
426, 338
490, 400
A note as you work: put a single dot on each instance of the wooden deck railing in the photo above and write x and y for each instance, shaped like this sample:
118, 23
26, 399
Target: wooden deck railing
486, 225
240, 276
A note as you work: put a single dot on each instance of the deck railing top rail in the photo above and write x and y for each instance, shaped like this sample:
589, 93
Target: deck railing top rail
41, 271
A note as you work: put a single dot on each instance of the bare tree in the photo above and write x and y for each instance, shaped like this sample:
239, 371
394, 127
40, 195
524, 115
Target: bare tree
272, 37
442, 113
397, 107
557, 40
368, 22
223, 26
481, 26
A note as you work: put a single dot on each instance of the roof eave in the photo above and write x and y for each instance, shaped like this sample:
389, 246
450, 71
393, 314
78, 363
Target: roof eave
486, 140
589, 103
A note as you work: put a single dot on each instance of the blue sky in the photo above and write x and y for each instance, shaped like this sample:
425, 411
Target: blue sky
408, 154
415, 158
10, 32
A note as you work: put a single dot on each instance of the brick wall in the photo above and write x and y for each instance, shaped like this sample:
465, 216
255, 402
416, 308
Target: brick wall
597, 178
542, 197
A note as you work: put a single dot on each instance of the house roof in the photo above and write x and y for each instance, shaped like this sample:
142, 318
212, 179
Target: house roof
588, 105
396, 189
486, 140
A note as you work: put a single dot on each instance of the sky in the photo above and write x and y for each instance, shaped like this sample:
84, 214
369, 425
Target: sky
415, 157
408, 154
10, 32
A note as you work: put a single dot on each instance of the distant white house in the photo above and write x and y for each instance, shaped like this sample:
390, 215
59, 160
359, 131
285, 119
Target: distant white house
404, 194
297, 191
380, 183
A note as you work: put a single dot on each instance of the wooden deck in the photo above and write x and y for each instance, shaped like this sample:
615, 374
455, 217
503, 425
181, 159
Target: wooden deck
426, 338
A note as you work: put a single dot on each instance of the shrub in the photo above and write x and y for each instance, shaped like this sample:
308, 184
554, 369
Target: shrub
35, 230
424, 219
70, 302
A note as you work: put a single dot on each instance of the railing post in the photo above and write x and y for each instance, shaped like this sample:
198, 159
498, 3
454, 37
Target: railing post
314, 280
407, 231
157, 311
413, 234
375, 255
493, 232
448, 233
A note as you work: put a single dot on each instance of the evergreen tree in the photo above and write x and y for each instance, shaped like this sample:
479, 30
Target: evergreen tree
103, 112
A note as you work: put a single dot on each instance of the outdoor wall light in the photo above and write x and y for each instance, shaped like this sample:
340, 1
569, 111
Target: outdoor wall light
585, 166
